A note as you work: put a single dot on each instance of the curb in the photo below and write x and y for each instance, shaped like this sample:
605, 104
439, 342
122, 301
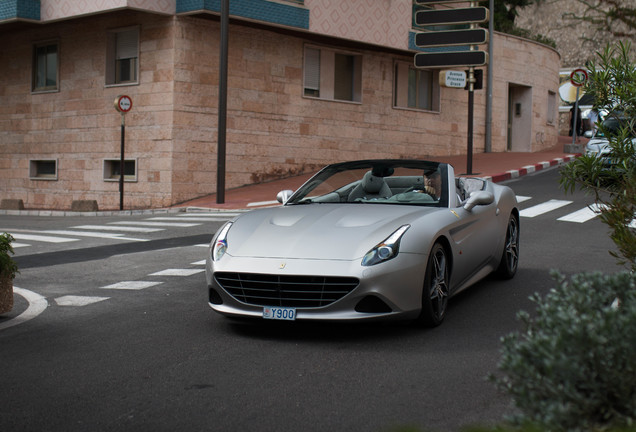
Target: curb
528, 169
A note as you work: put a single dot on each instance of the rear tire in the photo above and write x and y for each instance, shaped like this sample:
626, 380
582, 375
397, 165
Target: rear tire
436, 287
510, 256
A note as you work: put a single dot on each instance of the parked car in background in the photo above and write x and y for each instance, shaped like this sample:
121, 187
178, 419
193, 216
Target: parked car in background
598, 145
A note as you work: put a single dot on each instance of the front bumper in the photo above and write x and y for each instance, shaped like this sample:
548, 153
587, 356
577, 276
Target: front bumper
396, 283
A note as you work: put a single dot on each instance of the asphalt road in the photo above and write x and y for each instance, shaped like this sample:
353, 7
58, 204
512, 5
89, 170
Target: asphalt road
127, 341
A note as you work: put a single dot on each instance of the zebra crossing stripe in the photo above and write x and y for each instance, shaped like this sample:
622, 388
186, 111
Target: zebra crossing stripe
131, 285
191, 219
177, 272
157, 224
542, 208
95, 234
580, 216
521, 198
71, 300
118, 228
46, 239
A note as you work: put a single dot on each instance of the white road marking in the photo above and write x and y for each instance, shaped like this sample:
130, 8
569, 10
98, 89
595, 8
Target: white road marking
262, 203
542, 208
580, 216
131, 285
37, 305
195, 219
202, 245
118, 228
71, 300
157, 224
95, 234
211, 215
521, 198
46, 239
18, 245
177, 272
202, 262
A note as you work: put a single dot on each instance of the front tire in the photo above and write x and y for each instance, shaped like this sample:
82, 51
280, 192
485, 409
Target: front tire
436, 287
510, 256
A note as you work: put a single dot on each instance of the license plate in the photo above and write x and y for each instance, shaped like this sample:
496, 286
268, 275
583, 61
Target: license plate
279, 313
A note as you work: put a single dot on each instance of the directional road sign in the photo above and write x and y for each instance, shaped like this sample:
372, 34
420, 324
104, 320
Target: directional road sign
451, 16
429, 2
451, 59
452, 37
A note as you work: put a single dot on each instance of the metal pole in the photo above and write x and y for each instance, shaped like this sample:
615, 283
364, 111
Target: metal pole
121, 163
471, 103
575, 116
488, 143
222, 122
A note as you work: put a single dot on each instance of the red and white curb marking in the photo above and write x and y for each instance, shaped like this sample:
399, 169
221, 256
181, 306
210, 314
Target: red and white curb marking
497, 178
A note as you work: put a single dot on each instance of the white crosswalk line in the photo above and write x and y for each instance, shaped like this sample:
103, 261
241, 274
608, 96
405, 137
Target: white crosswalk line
580, 216
226, 215
177, 272
521, 198
195, 219
94, 234
118, 228
131, 285
71, 300
18, 245
157, 224
42, 238
543, 208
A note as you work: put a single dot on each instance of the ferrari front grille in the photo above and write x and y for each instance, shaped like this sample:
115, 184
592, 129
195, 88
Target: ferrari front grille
285, 291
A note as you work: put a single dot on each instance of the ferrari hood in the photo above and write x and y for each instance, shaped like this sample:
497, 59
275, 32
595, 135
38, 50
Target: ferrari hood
317, 231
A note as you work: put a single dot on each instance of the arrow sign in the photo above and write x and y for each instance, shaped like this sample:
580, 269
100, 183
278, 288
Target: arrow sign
451, 16
452, 37
451, 59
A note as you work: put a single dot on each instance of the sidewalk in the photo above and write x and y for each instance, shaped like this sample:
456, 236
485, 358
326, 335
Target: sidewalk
494, 166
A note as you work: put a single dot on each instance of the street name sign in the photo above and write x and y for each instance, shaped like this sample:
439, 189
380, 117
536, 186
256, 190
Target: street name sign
430, 2
451, 16
454, 79
451, 59
452, 37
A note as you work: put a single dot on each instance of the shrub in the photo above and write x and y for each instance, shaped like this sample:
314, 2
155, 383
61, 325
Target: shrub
8, 267
573, 367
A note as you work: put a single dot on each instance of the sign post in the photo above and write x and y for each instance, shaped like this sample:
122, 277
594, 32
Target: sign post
578, 78
123, 104
460, 56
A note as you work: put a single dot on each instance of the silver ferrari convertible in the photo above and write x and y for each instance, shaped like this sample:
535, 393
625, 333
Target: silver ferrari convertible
372, 239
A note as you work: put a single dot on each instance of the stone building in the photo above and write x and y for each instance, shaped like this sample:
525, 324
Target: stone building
576, 41
310, 82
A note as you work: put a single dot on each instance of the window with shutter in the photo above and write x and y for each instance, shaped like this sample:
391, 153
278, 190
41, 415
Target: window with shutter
122, 55
312, 72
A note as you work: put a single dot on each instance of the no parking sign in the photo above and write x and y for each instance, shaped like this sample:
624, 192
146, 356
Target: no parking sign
578, 77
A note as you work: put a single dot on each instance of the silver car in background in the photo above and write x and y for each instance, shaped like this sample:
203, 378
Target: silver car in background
365, 240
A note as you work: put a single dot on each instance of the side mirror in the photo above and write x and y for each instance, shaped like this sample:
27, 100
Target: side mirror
283, 196
479, 198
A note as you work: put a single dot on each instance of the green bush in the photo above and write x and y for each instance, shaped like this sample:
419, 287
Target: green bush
8, 267
573, 367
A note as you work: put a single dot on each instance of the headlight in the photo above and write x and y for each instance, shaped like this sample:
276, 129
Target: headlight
219, 245
386, 250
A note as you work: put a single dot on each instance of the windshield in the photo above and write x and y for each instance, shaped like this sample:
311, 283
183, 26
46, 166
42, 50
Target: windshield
377, 182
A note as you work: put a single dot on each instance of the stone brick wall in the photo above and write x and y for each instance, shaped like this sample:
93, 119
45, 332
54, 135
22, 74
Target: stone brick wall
78, 125
272, 130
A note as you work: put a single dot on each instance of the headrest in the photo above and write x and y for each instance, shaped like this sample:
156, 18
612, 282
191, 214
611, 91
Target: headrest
371, 183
